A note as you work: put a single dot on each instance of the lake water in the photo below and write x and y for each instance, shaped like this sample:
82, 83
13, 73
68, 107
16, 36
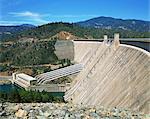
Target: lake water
9, 87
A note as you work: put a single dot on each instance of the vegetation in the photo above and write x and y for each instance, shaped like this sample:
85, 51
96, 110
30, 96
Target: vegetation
40, 70
51, 29
23, 96
22, 54
4, 68
113, 23
29, 53
30, 58
62, 80
13, 29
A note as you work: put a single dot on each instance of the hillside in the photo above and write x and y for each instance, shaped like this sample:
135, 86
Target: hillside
33, 57
21, 54
113, 23
48, 31
10, 32
13, 29
64, 36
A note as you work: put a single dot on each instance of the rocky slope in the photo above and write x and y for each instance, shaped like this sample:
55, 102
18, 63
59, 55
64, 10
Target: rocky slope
64, 111
63, 35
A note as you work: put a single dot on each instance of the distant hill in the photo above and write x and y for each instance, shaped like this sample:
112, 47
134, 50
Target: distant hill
13, 29
60, 30
113, 23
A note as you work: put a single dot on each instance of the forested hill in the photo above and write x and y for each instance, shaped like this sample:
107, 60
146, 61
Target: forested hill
48, 31
13, 29
113, 23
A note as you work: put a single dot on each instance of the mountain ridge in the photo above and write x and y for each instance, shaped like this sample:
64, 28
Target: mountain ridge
117, 23
90, 29
15, 28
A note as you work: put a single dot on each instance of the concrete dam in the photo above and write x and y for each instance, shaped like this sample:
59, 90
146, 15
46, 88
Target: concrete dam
108, 73
114, 75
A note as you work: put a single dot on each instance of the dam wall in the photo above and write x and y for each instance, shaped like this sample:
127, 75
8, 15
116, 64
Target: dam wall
114, 75
83, 50
65, 49
143, 43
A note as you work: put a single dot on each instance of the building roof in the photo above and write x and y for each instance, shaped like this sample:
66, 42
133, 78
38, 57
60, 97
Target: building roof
27, 77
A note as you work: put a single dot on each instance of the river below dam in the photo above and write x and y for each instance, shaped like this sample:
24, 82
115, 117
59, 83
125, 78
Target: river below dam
9, 87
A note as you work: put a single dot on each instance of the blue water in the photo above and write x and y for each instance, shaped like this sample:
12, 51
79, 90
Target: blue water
9, 87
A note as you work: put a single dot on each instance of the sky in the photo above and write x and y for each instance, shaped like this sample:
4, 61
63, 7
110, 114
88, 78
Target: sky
38, 12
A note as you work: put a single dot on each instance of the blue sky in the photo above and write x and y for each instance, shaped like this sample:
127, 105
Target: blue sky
37, 12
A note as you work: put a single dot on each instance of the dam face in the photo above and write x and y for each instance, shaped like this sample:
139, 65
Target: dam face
114, 75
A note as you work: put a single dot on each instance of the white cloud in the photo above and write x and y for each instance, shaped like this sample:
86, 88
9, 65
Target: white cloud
25, 14
37, 15
39, 19
31, 16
